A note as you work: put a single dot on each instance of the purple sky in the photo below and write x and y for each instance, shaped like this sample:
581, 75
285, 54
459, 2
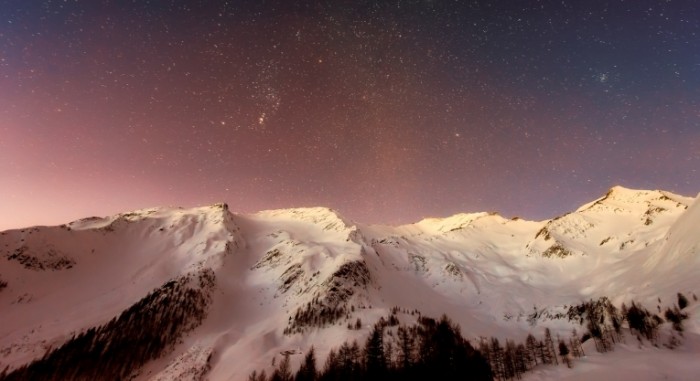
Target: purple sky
386, 111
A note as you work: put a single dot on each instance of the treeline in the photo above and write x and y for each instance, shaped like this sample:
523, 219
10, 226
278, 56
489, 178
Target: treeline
314, 314
604, 321
325, 310
143, 332
431, 349
436, 349
511, 360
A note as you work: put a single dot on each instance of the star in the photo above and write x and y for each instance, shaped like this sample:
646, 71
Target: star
364, 109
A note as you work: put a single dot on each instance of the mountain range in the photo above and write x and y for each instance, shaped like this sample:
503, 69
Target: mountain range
220, 294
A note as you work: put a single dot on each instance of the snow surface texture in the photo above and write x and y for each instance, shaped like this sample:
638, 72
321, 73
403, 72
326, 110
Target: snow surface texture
486, 272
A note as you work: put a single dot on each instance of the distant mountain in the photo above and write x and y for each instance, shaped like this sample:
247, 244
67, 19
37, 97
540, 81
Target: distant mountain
212, 294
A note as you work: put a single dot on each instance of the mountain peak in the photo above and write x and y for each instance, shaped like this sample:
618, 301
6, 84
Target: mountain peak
621, 191
620, 197
213, 211
329, 218
454, 222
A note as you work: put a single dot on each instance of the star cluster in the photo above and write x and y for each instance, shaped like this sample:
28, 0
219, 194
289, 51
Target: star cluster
388, 111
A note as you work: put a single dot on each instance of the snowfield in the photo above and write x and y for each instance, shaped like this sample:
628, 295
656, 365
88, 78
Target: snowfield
289, 279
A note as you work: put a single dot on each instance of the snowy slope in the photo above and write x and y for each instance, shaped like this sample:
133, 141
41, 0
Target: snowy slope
64, 279
289, 279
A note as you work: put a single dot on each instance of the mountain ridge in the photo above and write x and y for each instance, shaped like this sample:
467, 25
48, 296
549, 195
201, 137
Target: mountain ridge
287, 279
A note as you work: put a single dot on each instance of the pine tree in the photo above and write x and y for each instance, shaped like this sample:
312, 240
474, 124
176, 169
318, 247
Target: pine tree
640, 320
676, 317
389, 353
576, 348
604, 340
405, 348
564, 353
550, 345
332, 366
521, 359
682, 301
509, 360
531, 346
485, 349
356, 355
543, 353
497, 359
375, 358
283, 371
348, 361
358, 324
307, 369
257, 377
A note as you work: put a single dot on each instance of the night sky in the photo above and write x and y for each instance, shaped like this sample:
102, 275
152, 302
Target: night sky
387, 111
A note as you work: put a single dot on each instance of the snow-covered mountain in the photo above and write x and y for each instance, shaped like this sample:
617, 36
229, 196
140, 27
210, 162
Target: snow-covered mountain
283, 280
